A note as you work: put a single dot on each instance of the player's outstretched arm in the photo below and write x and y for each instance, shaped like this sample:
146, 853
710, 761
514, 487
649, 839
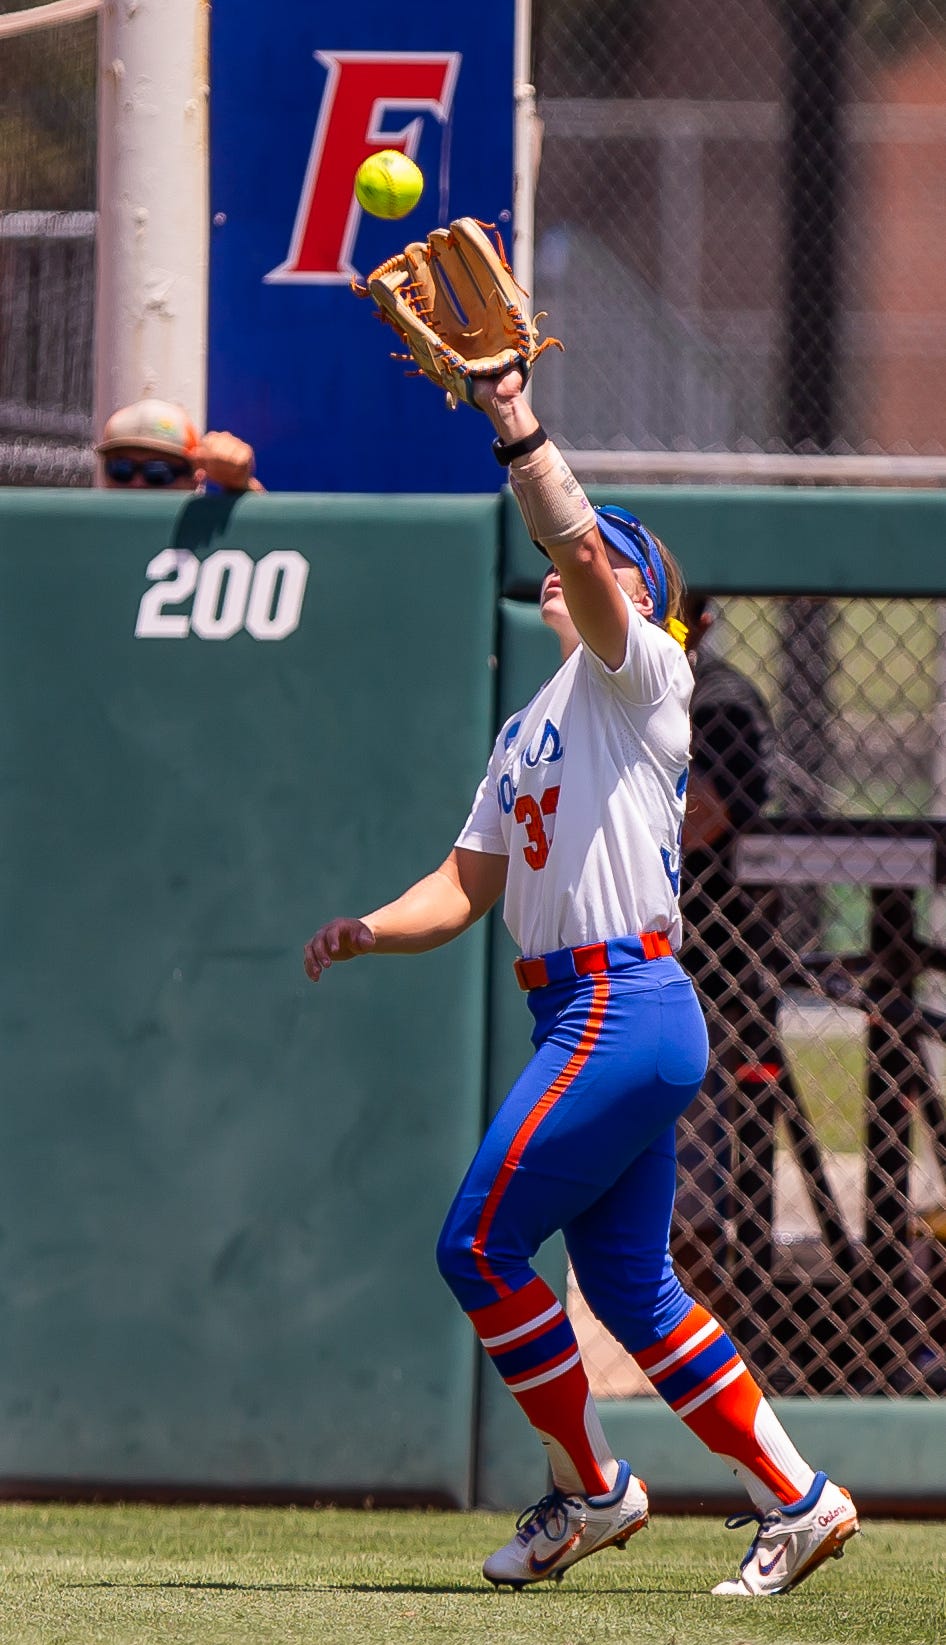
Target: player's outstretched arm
558, 515
430, 913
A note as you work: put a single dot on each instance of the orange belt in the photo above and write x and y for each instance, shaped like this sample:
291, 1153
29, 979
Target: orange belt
568, 963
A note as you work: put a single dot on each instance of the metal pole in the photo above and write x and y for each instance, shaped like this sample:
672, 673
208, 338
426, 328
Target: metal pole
151, 280
817, 42
889, 1328
526, 137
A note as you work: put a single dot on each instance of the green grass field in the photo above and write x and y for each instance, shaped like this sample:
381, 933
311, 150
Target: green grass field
133, 1575
884, 651
831, 1074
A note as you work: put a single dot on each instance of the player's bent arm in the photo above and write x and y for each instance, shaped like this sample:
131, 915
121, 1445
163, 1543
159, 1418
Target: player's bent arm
438, 908
442, 905
558, 515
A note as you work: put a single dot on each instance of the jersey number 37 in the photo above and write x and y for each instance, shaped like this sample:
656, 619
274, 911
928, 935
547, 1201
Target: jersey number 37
532, 812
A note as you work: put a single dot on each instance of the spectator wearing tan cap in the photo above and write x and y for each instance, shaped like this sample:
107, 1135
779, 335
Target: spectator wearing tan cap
153, 444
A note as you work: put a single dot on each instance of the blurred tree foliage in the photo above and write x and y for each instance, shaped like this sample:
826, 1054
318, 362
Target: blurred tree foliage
48, 117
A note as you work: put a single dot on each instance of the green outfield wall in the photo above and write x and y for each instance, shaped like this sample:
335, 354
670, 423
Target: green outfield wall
222, 722
775, 539
221, 1188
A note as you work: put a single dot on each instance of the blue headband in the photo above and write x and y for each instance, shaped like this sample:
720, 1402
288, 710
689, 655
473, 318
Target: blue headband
625, 533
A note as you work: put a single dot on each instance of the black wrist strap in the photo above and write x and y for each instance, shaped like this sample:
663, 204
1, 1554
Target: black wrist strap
519, 448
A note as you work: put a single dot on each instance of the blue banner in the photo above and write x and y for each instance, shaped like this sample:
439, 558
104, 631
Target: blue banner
297, 364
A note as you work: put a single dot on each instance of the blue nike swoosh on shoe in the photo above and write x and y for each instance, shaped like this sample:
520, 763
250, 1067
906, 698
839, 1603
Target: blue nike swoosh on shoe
766, 1570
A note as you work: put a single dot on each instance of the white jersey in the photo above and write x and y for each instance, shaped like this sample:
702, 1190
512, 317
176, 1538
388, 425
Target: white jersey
585, 794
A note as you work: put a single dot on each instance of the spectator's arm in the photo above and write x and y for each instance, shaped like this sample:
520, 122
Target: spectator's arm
707, 817
226, 462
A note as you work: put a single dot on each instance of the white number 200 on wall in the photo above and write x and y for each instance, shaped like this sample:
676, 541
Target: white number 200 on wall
231, 592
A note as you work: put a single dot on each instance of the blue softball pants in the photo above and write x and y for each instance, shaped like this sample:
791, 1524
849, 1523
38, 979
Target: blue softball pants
584, 1142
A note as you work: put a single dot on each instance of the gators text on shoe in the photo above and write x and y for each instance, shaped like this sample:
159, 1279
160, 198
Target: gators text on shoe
793, 1541
561, 1529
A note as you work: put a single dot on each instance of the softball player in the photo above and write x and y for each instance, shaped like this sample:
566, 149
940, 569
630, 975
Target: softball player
578, 823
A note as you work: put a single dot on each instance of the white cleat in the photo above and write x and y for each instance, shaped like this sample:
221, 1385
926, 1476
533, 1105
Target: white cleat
792, 1542
562, 1529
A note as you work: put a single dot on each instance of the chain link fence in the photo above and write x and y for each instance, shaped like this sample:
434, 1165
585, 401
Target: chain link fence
739, 227
47, 251
739, 235
738, 220
811, 1212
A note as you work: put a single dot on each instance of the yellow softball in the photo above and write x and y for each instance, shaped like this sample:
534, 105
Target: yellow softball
388, 184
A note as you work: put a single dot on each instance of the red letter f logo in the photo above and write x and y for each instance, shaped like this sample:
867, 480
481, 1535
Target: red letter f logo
361, 87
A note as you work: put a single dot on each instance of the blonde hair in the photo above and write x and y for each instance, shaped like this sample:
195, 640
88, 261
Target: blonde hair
674, 617
676, 585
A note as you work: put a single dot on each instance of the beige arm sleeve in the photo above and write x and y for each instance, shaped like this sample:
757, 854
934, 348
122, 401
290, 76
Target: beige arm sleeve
551, 501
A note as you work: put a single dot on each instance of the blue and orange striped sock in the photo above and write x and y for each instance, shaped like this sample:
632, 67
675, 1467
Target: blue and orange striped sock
697, 1369
529, 1339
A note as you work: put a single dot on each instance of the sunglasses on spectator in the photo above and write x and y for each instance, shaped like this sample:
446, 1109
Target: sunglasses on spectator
155, 471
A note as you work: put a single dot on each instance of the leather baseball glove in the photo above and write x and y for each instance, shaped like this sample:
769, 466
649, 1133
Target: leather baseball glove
453, 299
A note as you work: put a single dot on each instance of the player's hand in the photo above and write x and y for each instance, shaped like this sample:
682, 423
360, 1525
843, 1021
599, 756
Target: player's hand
491, 393
226, 462
342, 939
